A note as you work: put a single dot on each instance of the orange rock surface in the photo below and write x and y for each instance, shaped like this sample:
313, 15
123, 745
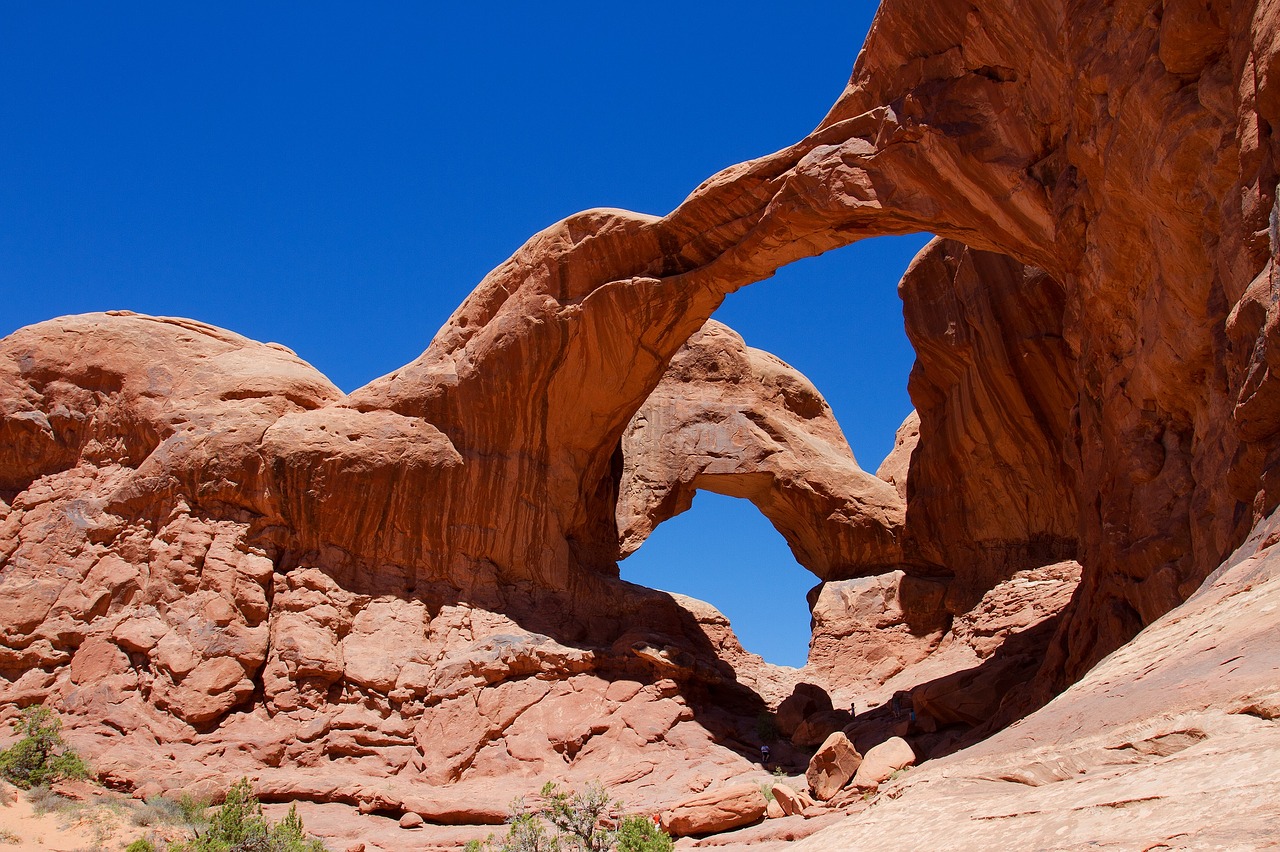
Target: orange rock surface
213, 562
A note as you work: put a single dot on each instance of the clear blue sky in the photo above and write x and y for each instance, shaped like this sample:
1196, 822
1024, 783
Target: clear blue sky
337, 177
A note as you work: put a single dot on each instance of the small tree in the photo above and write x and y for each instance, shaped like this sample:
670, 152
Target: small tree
41, 756
586, 820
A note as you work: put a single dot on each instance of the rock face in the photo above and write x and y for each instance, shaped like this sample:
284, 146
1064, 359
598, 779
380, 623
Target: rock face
1168, 729
990, 490
205, 548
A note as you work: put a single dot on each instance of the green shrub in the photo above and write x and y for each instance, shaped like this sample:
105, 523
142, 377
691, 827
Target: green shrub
41, 756
639, 834
193, 810
141, 845
239, 826
585, 821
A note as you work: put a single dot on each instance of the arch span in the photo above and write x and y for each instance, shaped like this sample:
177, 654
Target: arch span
738, 421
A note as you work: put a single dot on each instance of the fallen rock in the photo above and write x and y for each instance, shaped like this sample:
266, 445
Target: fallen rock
832, 766
411, 820
791, 801
716, 811
882, 761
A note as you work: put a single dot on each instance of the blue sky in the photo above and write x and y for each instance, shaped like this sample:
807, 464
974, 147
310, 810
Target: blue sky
337, 177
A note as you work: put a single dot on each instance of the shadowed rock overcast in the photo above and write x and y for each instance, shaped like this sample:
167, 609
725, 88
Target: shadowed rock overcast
1056, 596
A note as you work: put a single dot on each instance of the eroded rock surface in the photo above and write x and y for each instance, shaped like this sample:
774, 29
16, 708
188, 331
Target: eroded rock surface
1159, 745
206, 550
991, 490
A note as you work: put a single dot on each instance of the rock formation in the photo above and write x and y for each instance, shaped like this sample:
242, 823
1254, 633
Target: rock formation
990, 489
205, 549
735, 420
1157, 746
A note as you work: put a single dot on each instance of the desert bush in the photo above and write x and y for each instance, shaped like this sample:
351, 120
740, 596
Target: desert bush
638, 834
45, 801
193, 810
239, 826
159, 810
583, 821
141, 845
41, 756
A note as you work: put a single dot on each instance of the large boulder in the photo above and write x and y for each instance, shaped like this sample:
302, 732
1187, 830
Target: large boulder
832, 766
791, 801
716, 811
882, 761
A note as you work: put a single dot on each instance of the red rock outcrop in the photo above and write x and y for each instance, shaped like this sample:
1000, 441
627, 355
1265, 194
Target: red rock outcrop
1158, 745
990, 490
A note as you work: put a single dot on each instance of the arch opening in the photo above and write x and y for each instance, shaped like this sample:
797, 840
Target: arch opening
734, 421
724, 552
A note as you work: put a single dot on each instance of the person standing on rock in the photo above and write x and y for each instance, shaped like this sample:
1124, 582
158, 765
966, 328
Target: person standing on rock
764, 756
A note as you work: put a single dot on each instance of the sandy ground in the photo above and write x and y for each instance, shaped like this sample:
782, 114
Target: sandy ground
23, 830
87, 819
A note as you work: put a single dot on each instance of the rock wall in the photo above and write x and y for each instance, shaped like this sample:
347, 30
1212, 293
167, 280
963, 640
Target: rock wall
991, 487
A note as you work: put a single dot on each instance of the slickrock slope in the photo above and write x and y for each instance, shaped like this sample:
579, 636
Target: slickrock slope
1168, 744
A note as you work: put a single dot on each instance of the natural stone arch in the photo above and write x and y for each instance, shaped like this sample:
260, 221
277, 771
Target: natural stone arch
738, 421
993, 124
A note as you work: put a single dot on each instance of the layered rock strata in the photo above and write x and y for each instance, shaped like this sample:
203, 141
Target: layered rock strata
991, 488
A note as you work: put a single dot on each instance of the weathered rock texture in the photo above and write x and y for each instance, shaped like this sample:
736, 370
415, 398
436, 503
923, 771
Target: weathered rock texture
1166, 744
990, 489
203, 546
